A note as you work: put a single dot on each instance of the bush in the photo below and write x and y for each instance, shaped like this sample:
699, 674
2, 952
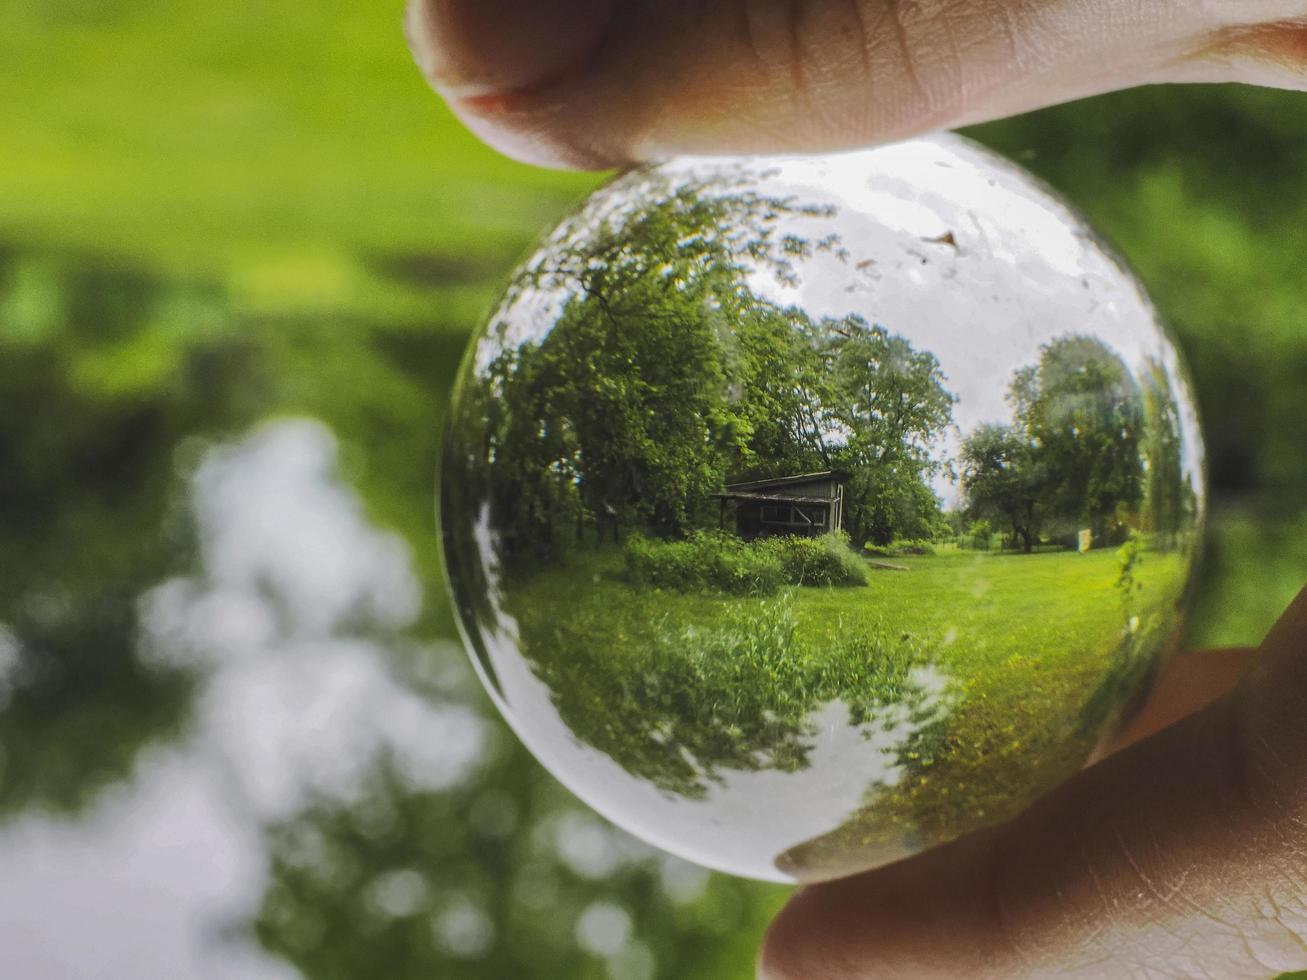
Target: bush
981, 534
738, 568
827, 560
719, 562
703, 562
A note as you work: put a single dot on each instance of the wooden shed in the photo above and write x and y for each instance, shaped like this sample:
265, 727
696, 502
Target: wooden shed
809, 504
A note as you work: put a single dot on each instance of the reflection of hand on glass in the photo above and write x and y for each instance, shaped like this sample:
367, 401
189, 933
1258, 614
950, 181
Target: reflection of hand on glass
1181, 855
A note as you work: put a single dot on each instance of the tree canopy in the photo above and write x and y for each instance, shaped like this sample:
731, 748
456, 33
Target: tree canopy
663, 375
1088, 447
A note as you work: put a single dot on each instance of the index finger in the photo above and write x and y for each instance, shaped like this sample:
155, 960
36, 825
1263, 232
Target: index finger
597, 83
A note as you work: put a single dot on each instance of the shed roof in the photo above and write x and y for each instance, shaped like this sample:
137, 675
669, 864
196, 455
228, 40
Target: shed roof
771, 498
784, 481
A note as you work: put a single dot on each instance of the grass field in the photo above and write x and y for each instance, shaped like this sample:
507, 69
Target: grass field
1031, 658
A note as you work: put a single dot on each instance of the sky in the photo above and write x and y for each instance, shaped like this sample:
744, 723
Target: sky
1022, 270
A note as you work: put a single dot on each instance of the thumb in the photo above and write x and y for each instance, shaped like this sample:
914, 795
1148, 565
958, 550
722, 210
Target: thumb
1179, 856
595, 83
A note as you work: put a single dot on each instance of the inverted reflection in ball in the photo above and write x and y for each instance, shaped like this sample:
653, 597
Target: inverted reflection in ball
803, 513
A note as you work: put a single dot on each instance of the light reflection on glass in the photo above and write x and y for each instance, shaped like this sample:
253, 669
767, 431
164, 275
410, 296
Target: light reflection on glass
805, 512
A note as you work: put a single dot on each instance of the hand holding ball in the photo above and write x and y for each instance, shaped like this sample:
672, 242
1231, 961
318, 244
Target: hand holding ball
803, 513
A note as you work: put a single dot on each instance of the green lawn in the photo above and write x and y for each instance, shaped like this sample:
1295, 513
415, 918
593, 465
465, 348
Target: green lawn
1038, 653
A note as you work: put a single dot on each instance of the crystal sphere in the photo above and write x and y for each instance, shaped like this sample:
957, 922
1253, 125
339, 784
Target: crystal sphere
802, 513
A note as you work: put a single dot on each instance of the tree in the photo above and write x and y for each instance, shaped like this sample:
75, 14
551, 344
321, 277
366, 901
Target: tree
1004, 480
1083, 409
785, 391
980, 533
663, 374
889, 403
622, 413
1164, 477
1071, 456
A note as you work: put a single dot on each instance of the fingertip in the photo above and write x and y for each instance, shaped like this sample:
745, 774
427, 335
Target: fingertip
518, 129
929, 916
500, 65
786, 939
473, 50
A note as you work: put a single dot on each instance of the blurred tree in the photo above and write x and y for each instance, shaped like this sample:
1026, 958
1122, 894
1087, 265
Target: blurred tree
508, 877
1071, 457
1084, 411
1167, 493
1004, 480
88, 432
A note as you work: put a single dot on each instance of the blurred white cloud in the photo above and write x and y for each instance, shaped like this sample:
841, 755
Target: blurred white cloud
288, 621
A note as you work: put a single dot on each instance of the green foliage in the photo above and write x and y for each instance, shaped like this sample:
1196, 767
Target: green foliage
85, 527
901, 548
825, 560
1084, 412
622, 416
719, 562
892, 400
980, 533
703, 562
702, 684
1086, 447
492, 846
803, 382
347, 288
1128, 558
1003, 477
1168, 498
663, 374
911, 547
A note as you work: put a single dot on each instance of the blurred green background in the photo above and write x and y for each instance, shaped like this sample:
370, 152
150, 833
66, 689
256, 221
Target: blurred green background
212, 215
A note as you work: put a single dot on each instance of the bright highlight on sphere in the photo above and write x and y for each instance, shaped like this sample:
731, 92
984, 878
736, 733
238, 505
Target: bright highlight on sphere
803, 513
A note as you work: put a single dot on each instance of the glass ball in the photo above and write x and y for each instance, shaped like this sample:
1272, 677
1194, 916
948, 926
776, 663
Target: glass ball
803, 513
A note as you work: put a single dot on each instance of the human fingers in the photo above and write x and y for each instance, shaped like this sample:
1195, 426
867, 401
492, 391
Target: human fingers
596, 83
1182, 855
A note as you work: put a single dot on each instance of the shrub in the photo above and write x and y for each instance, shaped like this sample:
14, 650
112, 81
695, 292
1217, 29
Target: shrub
719, 562
827, 560
703, 562
981, 533
737, 567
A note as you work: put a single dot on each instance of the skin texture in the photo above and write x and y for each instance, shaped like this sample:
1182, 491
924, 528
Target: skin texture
597, 83
1183, 851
